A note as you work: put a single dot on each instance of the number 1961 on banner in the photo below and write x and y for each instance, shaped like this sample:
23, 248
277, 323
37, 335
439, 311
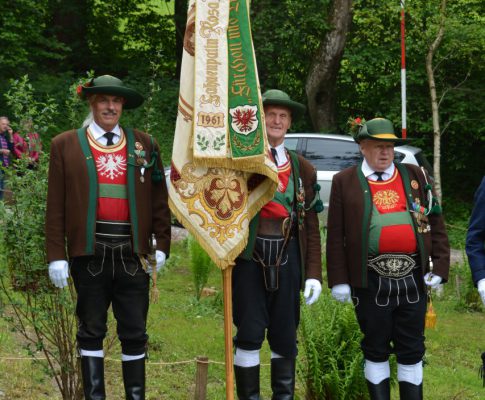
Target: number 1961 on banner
212, 120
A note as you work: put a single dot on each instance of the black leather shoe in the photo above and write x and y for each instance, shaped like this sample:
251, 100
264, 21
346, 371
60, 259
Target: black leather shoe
134, 379
408, 391
381, 391
92, 369
247, 382
283, 378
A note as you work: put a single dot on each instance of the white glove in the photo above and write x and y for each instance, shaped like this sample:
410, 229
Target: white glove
58, 273
481, 289
314, 287
341, 292
160, 258
432, 280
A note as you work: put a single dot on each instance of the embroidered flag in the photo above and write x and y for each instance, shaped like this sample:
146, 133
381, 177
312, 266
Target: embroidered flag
221, 174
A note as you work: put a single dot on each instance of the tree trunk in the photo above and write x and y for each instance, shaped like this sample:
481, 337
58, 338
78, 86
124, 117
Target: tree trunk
321, 81
180, 17
434, 102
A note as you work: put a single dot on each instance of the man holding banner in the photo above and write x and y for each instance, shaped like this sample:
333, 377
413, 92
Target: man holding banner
283, 247
222, 174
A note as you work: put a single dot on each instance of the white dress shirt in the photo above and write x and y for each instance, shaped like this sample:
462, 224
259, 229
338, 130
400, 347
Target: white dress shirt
98, 133
369, 172
280, 154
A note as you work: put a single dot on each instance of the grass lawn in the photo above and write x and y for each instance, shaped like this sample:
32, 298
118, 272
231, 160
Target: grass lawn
181, 329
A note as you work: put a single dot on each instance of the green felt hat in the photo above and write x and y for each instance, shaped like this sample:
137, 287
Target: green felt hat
107, 84
279, 98
379, 129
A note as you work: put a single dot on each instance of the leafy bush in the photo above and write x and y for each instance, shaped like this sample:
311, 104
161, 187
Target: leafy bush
43, 315
462, 289
331, 359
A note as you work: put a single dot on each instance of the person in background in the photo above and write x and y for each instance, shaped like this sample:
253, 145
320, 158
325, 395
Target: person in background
386, 242
6, 148
475, 241
283, 255
28, 145
106, 199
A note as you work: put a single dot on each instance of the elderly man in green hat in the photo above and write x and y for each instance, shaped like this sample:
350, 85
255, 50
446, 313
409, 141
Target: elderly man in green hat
283, 255
107, 201
385, 233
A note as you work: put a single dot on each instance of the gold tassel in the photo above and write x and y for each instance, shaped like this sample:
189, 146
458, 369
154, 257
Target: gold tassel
430, 320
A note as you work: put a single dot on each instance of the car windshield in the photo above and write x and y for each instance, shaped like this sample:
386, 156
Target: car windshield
422, 161
332, 155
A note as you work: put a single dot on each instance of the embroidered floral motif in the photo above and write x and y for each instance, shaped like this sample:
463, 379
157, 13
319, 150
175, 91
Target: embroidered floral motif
216, 198
386, 199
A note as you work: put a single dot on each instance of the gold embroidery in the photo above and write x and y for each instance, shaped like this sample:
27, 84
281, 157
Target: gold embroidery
218, 198
386, 199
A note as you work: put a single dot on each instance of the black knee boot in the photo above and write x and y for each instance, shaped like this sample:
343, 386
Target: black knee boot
134, 379
381, 391
92, 369
408, 391
247, 382
283, 378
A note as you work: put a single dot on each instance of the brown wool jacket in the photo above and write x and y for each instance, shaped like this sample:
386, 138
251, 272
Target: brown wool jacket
72, 195
348, 227
309, 234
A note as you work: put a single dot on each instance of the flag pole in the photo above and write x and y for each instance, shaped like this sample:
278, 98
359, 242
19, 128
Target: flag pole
403, 73
227, 292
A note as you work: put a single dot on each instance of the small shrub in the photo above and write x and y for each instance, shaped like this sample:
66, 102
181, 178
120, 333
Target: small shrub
463, 290
331, 360
200, 264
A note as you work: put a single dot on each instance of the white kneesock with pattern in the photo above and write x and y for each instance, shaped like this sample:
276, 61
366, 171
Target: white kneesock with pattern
91, 353
246, 358
410, 373
376, 372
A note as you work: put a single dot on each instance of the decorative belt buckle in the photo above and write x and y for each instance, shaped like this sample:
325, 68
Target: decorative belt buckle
392, 266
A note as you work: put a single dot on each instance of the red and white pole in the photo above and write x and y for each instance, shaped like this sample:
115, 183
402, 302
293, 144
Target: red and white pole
403, 72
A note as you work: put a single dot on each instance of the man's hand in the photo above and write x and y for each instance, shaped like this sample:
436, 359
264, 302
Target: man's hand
481, 289
432, 280
341, 293
160, 258
313, 288
58, 273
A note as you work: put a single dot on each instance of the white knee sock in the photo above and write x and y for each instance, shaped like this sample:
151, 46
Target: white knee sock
276, 355
410, 373
91, 353
126, 357
246, 358
376, 372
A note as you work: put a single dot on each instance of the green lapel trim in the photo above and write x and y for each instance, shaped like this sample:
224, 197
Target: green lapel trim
295, 170
93, 190
409, 195
286, 198
295, 167
365, 221
130, 151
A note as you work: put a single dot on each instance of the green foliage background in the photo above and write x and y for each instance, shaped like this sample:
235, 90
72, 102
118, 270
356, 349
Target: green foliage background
57, 42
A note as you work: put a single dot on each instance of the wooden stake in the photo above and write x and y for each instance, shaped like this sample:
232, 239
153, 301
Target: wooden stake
227, 286
201, 378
